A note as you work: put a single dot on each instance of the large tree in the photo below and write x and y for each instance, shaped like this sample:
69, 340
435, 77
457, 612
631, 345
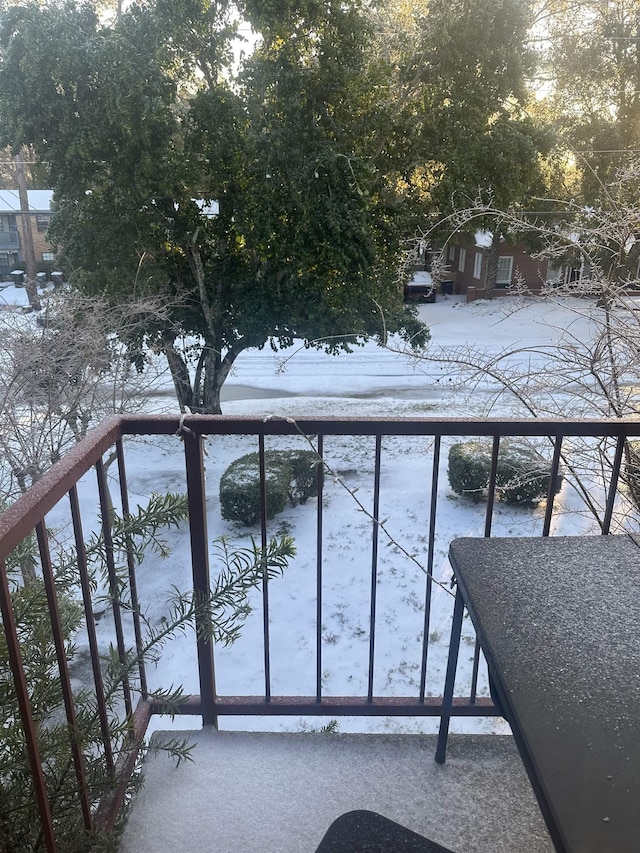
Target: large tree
475, 88
593, 74
256, 207
463, 73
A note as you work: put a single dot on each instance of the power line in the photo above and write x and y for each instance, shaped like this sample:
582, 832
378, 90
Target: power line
608, 151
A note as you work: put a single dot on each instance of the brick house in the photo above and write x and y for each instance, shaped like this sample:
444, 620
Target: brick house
466, 263
12, 225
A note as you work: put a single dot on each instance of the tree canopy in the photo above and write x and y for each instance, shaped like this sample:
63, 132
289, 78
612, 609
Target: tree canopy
252, 205
271, 199
592, 65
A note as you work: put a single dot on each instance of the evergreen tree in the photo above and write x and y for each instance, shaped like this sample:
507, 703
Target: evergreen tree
593, 64
252, 207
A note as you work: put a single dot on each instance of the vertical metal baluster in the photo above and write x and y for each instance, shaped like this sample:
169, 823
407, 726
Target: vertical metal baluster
487, 532
24, 705
430, 552
613, 485
555, 467
319, 520
450, 678
196, 498
131, 568
265, 579
491, 496
114, 592
63, 669
91, 627
474, 672
374, 565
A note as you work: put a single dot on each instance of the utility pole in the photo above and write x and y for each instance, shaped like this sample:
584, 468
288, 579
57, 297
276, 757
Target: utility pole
27, 235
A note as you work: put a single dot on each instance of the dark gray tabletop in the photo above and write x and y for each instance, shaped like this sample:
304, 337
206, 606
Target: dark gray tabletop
559, 623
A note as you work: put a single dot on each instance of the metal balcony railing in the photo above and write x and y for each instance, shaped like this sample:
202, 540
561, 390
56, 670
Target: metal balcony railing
567, 442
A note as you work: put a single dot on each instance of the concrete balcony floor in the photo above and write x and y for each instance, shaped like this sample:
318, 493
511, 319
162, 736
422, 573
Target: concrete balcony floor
255, 792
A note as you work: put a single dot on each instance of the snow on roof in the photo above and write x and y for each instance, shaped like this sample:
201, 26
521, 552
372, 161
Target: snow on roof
39, 201
484, 239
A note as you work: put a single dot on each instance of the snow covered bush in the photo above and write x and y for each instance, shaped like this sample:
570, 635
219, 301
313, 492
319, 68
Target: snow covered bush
240, 488
522, 475
469, 467
306, 475
290, 475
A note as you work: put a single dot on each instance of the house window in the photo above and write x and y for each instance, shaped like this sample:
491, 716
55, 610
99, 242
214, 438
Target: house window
452, 252
477, 265
505, 269
48, 256
462, 260
42, 222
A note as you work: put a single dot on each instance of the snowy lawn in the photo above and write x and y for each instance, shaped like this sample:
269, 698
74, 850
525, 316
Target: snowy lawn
368, 382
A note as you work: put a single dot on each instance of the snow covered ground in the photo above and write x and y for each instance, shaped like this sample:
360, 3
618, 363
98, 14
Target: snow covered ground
375, 382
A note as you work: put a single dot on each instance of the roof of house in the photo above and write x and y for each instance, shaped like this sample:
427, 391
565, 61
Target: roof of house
484, 239
39, 201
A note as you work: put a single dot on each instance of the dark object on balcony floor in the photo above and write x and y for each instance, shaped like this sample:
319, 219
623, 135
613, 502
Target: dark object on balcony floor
369, 832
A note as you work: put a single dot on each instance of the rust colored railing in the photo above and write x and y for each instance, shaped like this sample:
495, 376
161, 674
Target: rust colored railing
30, 512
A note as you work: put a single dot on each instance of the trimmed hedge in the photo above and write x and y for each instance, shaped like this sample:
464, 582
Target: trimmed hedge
522, 476
306, 475
293, 475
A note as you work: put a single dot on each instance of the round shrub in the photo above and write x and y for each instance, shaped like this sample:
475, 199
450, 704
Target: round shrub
290, 474
306, 475
522, 476
469, 468
240, 488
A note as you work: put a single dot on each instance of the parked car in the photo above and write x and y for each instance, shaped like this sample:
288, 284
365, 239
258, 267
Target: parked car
420, 288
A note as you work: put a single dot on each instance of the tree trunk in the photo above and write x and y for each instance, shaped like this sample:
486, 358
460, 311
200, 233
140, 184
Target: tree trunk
202, 396
180, 376
211, 382
212, 404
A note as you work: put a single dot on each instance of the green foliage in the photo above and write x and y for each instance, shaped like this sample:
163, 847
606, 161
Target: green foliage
592, 61
474, 82
522, 477
469, 468
218, 615
306, 475
242, 570
240, 488
289, 474
308, 231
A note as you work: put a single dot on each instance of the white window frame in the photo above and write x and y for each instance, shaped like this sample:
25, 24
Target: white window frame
452, 252
48, 256
477, 265
505, 261
462, 259
43, 221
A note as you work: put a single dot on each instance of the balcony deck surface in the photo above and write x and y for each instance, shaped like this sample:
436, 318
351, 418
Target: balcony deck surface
255, 792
